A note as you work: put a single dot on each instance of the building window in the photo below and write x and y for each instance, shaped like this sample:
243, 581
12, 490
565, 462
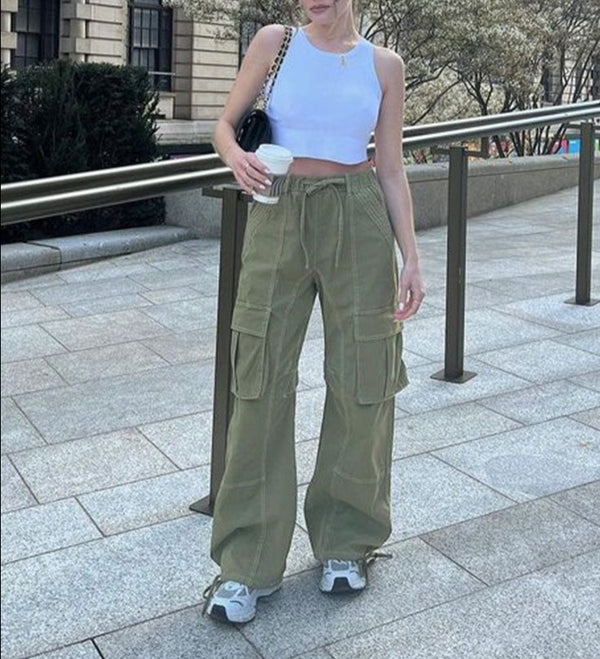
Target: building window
37, 26
150, 40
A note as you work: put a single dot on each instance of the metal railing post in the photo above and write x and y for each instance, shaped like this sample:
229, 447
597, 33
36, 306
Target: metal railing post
455, 268
233, 225
583, 277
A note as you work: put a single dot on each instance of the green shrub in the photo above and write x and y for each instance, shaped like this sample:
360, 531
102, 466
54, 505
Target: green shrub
65, 117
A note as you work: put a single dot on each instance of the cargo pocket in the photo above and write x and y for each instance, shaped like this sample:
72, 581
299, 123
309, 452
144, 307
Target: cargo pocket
380, 371
248, 349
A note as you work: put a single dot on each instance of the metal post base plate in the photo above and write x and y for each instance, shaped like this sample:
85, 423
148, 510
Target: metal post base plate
203, 506
589, 303
457, 379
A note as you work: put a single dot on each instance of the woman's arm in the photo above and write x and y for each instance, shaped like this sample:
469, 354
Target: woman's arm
392, 177
249, 172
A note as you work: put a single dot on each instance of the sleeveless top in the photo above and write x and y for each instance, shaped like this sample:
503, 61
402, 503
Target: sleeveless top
325, 105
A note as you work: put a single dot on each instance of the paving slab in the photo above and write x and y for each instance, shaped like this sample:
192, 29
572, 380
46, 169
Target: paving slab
553, 613
15, 494
520, 539
476, 297
425, 394
532, 286
201, 278
20, 343
120, 402
66, 293
41, 529
428, 494
105, 305
300, 618
103, 362
590, 380
17, 432
31, 316
542, 361
591, 417
103, 329
531, 462
184, 347
306, 456
84, 465
146, 502
185, 315
167, 295
309, 413
543, 402
102, 270
185, 440
553, 312
582, 500
588, 340
85, 650
18, 301
29, 375
420, 433
182, 635
92, 589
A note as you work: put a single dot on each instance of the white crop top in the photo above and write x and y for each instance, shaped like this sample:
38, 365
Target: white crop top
325, 105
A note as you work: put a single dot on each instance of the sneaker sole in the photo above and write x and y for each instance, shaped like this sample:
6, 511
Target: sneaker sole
219, 613
341, 586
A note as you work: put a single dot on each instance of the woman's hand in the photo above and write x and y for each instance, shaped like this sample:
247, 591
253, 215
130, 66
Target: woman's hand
411, 294
248, 170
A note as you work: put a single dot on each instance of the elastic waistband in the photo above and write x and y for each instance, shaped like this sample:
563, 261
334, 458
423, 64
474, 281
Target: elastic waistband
350, 182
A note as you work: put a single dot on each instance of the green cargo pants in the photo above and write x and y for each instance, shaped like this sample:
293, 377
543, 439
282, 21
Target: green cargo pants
331, 237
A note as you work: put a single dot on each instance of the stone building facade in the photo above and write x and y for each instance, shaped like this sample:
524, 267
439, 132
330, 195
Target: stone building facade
192, 68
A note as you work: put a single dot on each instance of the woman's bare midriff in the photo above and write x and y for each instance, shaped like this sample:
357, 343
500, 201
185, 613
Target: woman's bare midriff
316, 167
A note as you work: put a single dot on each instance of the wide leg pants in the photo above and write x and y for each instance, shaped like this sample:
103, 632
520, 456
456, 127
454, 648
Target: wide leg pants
329, 237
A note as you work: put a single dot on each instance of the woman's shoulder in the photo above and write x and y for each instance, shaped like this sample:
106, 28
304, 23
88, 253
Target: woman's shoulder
389, 65
267, 40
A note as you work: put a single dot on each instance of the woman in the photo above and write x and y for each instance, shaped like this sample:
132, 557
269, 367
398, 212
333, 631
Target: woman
331, 234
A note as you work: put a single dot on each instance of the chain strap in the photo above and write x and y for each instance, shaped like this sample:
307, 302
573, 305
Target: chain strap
267, 86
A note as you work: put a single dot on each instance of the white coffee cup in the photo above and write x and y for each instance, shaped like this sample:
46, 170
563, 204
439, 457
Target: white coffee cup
277, 159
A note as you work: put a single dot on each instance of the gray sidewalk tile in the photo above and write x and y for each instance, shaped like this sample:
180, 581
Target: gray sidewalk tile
582, 500
532, 286
87, 290
15, 493
542, 361
306, 455
450, 425
80, 651
590, 380
309, 413
588, 340
167, 295
103, 270
475, 297
146, 502
197, 277
29, 342
120, 402
40, 529
31, 283
531, 462
104, 329
299, 618
543, 402
185, 440
85, 465
552, 614
520, 539
320, 653
100, 305
591, 417
177, 262
485, 329
425, 394
301, 558
31, 316
182, 635
428, 494
186, 346
185, 315
553, 312
84, 591
18, 301
105, 362
17, 432
310, 366
28, 375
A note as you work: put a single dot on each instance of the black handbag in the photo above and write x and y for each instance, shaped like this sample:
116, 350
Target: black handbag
254, 128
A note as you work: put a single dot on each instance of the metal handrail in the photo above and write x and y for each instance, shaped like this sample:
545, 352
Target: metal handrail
413, 137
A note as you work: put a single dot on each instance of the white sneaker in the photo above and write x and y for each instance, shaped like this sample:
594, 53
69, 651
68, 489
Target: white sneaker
343, 576
230, 601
